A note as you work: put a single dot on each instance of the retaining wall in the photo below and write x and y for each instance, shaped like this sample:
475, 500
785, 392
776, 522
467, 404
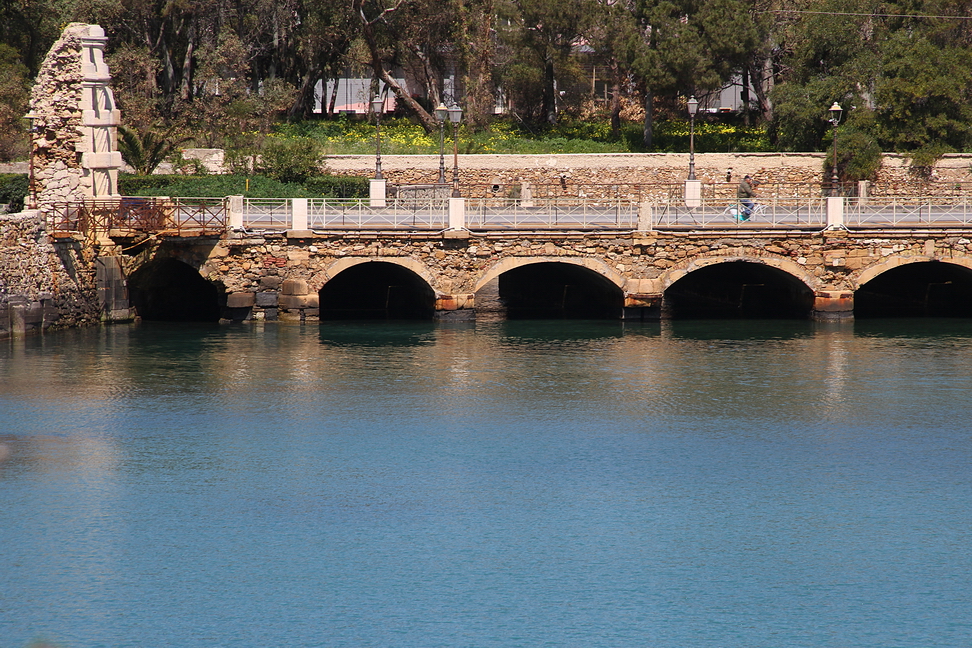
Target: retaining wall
41, 286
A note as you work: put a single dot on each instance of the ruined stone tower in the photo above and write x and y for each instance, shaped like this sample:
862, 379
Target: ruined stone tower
75, 121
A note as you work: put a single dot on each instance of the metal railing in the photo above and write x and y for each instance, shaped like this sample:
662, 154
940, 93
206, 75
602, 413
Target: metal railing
267, 213
938, 211
798, 213
398, 213
548, 213
131, 216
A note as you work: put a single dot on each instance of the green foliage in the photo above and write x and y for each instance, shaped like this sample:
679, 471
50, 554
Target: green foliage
252, 186
858, 155
924, 94
401, 137
146, 150
923, 159
13, 104
290, 160
13, 190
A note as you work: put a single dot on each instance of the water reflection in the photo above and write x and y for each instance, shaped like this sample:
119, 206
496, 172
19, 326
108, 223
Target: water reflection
494, 484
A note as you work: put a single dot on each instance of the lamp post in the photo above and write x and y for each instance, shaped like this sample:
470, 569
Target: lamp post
441, 113
32, 186
835, 112
455, 116
693, 107
377, 105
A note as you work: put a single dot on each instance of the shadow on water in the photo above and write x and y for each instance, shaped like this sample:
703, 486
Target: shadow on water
742, 329
378, 333
546, 331
919, 327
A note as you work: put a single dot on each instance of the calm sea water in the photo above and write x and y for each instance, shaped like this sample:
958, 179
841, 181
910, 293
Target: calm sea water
688, 484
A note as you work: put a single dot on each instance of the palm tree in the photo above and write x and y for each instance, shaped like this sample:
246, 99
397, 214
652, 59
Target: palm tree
145, 150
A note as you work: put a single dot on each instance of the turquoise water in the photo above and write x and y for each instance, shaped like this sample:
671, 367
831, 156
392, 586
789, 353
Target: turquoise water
710, 484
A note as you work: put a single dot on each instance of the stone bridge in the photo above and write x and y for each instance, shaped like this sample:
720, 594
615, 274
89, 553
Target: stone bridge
639, 275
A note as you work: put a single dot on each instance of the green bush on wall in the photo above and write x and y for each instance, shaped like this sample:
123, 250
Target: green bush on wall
13, 190
251, 186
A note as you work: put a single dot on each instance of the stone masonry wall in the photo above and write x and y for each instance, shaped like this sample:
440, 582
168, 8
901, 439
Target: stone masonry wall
273, 276
654, 176
37, 291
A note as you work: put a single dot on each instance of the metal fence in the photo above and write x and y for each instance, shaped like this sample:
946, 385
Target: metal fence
400, 213
133, 216
799, 213
938, 211
551, 213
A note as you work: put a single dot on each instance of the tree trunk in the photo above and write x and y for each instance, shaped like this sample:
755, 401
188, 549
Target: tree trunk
649, 132
429, 122
479, 79
549, 107
615, 97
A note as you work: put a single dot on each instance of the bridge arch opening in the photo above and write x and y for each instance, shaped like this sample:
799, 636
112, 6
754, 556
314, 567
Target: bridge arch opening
920, 289
168, 290
738, 290
377, 290
552, 290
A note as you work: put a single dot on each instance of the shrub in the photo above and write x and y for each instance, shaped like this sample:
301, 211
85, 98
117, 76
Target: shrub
252, 186
290, 160
13, 190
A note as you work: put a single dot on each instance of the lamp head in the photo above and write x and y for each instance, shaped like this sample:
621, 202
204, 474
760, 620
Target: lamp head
835, 112
441, 112
377, 104
455, 114
693, 106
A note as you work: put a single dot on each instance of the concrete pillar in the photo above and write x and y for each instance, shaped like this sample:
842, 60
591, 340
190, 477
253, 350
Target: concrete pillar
234, 205
863, 187
693, 193
298, 214
376, 192
829, 305
645, 217
835, 212
457, 213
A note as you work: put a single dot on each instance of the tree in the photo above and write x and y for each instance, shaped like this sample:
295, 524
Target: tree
13, 104
688, 47
146, 150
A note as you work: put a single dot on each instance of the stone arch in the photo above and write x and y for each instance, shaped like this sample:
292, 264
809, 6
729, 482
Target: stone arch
380, 288
864, 275
337, 267
169, 289
738, 285
914, 286
681, 269
510, 263
550, 288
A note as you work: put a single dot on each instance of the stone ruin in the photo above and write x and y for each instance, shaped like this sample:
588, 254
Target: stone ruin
74, 122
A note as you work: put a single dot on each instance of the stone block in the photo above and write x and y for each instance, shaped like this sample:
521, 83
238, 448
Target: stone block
294, 287
265, 299
240, 300
272, 282
289, 316
298, 301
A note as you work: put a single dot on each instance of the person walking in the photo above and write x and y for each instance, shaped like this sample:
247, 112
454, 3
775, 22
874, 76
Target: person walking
745, 194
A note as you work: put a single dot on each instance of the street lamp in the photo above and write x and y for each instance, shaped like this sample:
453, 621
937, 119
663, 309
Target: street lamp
32, 186
693, 107
440, 114
377, 106
455, 116
835, 112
